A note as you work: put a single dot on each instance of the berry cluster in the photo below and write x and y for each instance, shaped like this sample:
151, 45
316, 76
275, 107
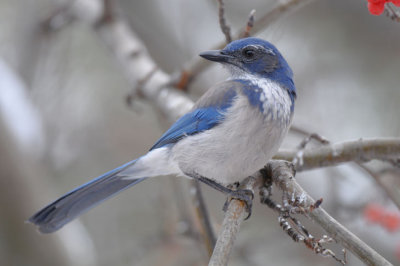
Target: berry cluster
390, 220
387, 219
376, 7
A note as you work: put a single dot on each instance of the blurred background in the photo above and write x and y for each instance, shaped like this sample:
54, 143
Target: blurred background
64, 120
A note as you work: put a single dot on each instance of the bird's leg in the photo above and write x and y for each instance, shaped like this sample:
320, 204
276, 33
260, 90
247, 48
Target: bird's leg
245, 195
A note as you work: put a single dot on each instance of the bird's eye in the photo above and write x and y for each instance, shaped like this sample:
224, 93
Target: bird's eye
249, 53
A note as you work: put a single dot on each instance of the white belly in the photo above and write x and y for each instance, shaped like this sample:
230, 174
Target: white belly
236, 148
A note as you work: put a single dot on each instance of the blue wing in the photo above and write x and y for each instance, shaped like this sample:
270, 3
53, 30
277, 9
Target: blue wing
207, 113
189, 124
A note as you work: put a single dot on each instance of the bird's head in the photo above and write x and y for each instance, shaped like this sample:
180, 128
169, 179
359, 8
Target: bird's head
254, 57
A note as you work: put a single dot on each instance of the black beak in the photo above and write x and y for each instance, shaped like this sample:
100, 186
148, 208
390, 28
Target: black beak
216, 55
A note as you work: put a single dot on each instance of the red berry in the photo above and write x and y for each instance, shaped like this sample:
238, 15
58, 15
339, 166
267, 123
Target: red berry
373, 213
391, 221
376, 9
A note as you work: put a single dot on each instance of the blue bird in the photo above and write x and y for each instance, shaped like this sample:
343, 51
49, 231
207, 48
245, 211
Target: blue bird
230, 133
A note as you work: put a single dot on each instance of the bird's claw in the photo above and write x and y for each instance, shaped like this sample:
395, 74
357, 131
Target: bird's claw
245, 195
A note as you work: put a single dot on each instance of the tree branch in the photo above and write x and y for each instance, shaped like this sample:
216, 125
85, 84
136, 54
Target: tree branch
391, 192
249, 25
283, 178
234, 216
137, 64
358, 151
226, 30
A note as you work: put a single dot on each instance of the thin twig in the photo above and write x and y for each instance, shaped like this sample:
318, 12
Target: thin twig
299, 130
226, 30
202, 214
249, 25
393, 195
298, 159
358, 151
283, 177
313, 136
391, 13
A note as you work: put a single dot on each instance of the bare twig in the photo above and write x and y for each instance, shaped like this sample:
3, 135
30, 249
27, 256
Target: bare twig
202, 214
283, 177
358, 151
299, 130
249, 25
313, 136
181, 80
298, 159
392, 194
234, 216
226, 30
391, 13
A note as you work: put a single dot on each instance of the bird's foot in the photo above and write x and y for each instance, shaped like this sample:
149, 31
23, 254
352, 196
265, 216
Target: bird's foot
245, 195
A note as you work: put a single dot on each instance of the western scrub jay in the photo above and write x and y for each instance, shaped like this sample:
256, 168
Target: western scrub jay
229, 134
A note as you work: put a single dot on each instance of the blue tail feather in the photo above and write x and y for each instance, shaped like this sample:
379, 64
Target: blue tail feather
68, 207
